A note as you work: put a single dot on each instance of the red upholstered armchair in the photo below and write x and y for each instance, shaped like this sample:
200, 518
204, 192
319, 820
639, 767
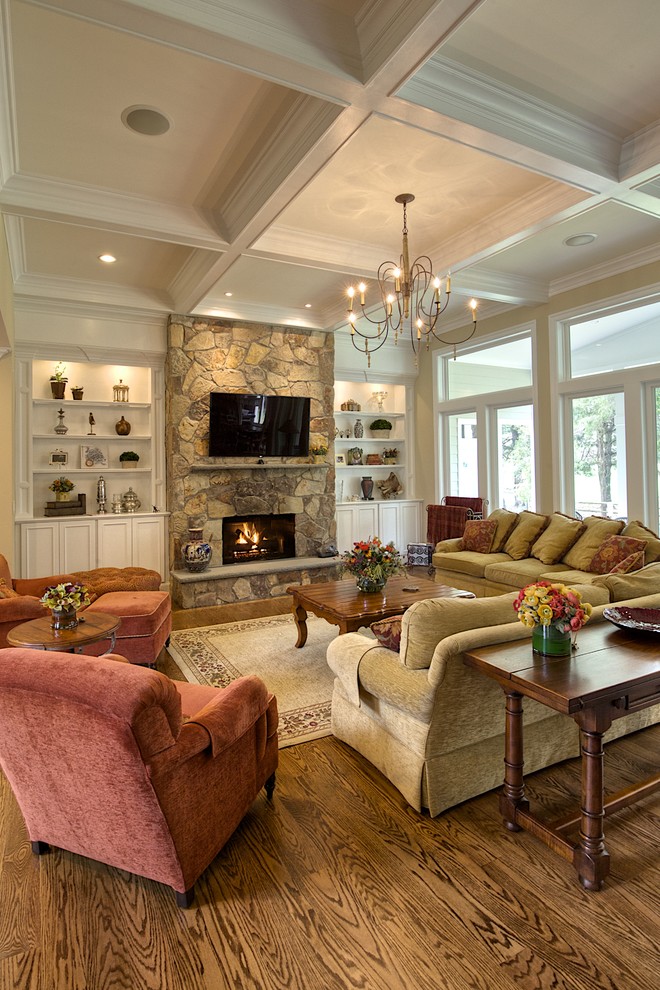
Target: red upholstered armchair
103, 763
448, 520
22, 603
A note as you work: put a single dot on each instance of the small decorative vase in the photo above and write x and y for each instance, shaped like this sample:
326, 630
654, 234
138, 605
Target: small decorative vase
367, 486
196, 553
62, 496
77, 393
370, 586
550, 641
358, 429
64, 618
123, 428
130, 502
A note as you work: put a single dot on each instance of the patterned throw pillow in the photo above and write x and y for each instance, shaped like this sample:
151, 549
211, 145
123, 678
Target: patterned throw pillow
388, 632
478, 535
613, 551
6, 591
632, 563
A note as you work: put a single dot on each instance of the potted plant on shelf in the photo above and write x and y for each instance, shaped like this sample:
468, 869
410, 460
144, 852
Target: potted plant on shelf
380, 428
390, 455
129, 459
77, 391
62, 488
58, 381
318, 452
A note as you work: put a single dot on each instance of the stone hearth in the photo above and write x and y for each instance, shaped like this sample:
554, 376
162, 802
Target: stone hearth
207, 355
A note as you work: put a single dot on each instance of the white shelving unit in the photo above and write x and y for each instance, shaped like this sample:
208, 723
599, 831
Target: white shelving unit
52, 544
398, 519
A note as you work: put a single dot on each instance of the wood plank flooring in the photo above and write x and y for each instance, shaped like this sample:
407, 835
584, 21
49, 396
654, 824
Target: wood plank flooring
338, 884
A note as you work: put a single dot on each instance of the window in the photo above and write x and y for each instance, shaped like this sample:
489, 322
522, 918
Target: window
490, 369
515, 468
463, 450
599, 455
625, 338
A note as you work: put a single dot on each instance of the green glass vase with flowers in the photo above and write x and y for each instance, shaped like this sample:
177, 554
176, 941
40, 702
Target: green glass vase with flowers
554, 613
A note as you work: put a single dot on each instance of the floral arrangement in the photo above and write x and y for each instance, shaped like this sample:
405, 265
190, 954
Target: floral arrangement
549, 604
62, 485
58, 374
372, 559
65, 596
318, 450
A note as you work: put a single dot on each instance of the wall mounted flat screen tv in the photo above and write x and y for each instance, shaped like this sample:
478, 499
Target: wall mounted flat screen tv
242, 425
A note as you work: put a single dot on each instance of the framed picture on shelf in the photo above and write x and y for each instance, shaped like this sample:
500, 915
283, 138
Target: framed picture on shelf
59, 458
93, 457
340, 459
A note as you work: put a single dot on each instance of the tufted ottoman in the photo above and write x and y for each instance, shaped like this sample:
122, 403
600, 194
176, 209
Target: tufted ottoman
146, 623
102, 580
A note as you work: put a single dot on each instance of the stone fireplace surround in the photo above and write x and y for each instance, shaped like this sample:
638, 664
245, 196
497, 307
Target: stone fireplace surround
206, 355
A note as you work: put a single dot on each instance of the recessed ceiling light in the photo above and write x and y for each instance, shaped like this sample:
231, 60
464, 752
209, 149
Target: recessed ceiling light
579, 240
229, 294
308, 305
146, 120
107, 258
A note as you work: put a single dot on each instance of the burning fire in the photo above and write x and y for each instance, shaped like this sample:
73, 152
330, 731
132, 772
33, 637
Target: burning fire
248, 534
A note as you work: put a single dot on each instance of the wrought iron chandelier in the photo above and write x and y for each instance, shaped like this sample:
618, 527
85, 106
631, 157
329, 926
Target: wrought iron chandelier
412, 300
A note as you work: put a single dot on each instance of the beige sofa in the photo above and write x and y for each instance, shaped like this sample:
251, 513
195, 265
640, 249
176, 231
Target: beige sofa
529, 546
431, 725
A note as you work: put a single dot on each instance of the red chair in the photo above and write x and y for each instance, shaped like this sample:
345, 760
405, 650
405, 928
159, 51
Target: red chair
447, 520
103, 764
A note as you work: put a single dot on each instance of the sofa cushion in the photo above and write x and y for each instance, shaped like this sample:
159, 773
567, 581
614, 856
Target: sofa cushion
571, 578
6, 591
388, 632
598, 528
633, 585
428, 622
524, 534
478, 535
467, 561
613, 551
557, 538
637, 529
632, 563
517, 573
505, 520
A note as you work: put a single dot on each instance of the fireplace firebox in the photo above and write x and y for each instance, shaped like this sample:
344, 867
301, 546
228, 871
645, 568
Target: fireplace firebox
249, 538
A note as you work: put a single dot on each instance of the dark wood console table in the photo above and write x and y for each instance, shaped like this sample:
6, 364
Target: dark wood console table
612, 674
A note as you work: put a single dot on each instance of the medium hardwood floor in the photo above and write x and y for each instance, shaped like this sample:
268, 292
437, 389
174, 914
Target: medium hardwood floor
337, 883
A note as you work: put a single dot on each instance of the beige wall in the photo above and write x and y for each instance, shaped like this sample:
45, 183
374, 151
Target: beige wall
6, 403
586, 297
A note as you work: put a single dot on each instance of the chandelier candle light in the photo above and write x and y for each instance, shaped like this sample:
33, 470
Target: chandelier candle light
412, 300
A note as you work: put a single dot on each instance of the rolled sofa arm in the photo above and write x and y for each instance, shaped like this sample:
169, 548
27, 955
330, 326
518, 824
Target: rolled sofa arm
37, 586
448, 546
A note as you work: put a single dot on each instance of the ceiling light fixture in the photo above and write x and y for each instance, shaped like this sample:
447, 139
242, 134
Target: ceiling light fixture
580, 240
308, 305
229, 294
146, 120
412, 301
107, 258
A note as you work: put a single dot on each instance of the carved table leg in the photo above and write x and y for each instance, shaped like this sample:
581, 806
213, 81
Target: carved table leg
513, 793
591, 859
300, 616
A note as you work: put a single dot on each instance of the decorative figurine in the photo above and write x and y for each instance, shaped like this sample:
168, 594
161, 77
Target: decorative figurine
61, 428
92, 421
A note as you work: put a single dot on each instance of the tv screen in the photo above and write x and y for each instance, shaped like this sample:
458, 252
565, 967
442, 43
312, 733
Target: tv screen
243, 425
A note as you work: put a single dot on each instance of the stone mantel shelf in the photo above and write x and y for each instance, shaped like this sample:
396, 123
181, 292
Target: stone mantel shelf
254, 567
268, 466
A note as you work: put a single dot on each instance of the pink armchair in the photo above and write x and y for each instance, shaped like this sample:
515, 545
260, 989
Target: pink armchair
103, 763
23, 604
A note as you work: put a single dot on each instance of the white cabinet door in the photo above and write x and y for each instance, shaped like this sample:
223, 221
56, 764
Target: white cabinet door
410, 525
388, 522
40, 549
357, 521
77, 544
115, 541
149, 543
344, 527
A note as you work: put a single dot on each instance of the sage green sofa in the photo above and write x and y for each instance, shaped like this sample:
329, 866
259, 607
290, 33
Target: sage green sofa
431, 725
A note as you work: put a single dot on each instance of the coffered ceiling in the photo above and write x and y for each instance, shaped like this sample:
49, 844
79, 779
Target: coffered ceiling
291, 125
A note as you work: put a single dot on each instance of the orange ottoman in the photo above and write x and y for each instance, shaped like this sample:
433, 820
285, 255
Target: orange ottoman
146, 623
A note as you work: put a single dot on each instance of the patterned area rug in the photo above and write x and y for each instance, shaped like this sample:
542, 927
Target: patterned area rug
300, 679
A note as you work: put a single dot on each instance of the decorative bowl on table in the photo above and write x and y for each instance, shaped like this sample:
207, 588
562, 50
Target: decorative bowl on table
640, 619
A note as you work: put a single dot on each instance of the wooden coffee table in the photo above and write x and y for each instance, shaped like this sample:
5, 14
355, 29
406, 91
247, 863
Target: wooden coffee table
340, 602
38, 634
612, 674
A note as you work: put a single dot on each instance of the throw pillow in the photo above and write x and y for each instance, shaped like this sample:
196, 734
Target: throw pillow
388, 632
524, 534
628, 564
478, 535
640, 532
558, 538
505, 522
598, 528
613, 551
6, 591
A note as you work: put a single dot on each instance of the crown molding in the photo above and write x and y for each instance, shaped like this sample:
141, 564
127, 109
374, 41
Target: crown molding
102, 355
609, 269
465, 94
260, 313
40, 305
90, 294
